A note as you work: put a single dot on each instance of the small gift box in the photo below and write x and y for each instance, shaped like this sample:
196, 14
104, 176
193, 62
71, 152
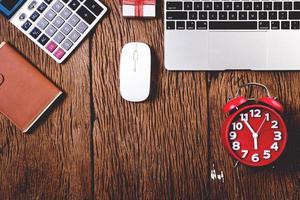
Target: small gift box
139, 8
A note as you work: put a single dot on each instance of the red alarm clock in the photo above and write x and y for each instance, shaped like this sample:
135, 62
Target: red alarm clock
254, 132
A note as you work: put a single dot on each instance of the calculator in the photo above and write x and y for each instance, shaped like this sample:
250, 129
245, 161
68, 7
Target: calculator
56, 26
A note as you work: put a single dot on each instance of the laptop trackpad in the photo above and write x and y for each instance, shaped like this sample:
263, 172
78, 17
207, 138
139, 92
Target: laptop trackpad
237, 50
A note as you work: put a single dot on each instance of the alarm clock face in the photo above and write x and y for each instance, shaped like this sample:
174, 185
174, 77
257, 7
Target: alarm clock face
256, 135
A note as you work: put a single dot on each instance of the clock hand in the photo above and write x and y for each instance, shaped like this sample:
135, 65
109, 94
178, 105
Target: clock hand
261, 125
254, 135
249, 127
255, 140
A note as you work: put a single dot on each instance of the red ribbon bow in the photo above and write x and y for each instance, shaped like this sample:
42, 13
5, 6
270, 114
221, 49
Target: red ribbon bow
139, 5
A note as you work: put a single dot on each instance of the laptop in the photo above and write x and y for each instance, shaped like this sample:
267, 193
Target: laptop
56, 26
228, 35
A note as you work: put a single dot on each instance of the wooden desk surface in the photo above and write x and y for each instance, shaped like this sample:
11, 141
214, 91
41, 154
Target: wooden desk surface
94, 145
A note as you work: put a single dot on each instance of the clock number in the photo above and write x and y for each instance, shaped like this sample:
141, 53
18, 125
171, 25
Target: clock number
244, 117
255, 113
232, 135
236, 146
267, 117
274, 125
237, 126
255, 157
274, 146
277, 136
267, 154
245, 153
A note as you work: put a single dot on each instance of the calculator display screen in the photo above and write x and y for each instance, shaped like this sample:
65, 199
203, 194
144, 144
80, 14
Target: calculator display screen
9, 7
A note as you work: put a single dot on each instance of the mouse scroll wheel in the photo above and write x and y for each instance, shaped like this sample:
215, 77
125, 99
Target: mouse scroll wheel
135, 55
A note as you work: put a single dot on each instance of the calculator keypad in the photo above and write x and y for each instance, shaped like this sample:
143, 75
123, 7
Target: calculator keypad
74, 36
51, 46
48, 1
34, 16
32, 5
74, 4
42, 8
59, 37
73, 20
43, 39
86, 15
51, 30
60, 24
35, 33
66, 29
93, 6
59, 53
43, 23
81, 27
50, 15
57, 6
67, 44
26, 25
66, 13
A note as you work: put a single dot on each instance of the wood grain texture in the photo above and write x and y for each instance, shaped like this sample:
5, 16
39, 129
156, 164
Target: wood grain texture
152, 150
95, 145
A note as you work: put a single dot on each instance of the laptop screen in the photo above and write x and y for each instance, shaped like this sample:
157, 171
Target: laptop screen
9, 7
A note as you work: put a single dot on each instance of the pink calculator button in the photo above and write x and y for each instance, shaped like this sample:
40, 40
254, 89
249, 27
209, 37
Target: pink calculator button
59, 53
51, 46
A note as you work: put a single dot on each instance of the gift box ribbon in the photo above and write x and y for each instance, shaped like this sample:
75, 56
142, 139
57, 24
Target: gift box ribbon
139, 5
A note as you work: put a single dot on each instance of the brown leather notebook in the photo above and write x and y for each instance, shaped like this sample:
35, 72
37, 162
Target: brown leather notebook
25, 94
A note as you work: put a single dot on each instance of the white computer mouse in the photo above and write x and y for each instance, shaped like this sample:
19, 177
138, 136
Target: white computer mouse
135, 72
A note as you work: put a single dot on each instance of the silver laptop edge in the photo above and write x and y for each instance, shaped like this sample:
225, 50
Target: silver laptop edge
192, 50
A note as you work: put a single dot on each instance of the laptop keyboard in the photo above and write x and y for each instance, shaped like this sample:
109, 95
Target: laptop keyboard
59, 25
232, 15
